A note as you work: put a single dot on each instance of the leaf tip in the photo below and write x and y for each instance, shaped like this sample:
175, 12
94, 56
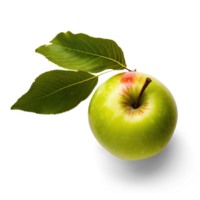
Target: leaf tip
35, 50
10, 108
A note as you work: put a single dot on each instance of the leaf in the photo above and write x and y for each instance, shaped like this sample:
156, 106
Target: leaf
82, 52
57, 91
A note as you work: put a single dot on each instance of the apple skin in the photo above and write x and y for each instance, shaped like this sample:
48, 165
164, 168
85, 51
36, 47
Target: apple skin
128, 133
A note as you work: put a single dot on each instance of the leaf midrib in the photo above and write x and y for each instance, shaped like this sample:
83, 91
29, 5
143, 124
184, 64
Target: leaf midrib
93, 54
60, 90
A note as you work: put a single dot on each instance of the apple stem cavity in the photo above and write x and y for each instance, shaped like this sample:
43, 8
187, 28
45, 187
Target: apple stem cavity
148, 80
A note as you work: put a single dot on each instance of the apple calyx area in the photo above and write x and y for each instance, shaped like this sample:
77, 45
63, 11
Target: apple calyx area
148, 80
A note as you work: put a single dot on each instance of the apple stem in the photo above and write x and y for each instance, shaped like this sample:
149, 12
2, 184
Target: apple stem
130, 69
148, 80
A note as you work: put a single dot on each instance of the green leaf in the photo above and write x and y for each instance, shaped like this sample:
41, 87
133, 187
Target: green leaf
57, 91
82, 52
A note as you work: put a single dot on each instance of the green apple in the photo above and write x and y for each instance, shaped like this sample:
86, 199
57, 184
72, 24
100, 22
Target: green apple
127, 130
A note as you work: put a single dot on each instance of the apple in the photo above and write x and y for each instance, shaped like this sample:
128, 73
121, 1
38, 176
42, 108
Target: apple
129, 119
